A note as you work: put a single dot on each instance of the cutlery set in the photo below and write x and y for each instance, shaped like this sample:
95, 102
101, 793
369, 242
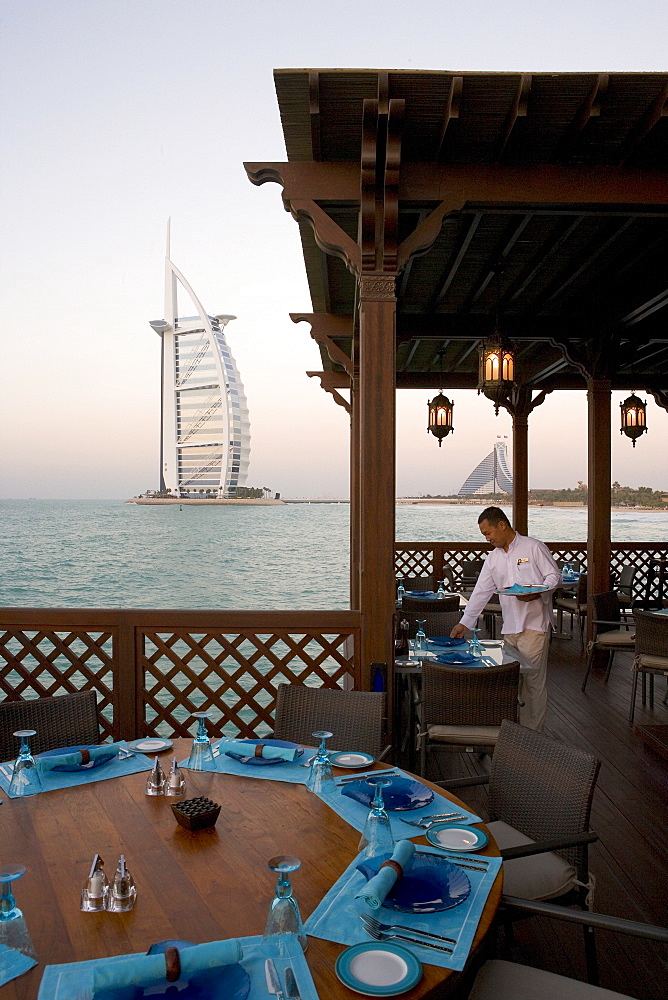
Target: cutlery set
274, 982
383, 932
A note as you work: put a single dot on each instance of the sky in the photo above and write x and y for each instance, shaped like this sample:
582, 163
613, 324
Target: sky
119, 114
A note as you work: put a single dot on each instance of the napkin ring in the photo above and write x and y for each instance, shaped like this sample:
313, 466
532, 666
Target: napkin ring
85, 755
172, 964
395, 867
259, 747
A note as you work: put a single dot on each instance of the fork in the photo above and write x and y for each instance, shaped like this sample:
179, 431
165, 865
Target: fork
384, 935
377, 926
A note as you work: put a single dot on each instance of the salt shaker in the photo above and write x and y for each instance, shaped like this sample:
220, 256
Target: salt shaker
156, 779
123, 891
95, 892
175, 783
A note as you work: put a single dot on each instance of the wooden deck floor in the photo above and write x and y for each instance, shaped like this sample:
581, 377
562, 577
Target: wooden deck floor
630, 860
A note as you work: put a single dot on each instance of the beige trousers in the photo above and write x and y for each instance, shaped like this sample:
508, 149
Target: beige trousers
530, 648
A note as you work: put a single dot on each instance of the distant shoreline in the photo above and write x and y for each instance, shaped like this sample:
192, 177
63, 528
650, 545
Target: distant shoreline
559, 504
401, 501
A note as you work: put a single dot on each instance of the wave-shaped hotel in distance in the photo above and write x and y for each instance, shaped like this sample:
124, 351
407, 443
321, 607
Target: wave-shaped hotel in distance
205, 426
491, 475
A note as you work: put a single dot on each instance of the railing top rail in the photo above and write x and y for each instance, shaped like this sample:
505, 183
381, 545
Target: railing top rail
180, 617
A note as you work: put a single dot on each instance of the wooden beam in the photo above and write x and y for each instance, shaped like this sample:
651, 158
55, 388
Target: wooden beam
450, 111
590, 108
599, 503
657, 111
451, 273
314, 112
518, 109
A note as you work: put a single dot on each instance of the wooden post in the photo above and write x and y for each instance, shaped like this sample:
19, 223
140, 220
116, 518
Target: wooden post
599, 494
521, 470
355, 495
377, 466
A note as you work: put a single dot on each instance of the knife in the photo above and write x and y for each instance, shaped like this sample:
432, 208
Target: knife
273, 982
291, 985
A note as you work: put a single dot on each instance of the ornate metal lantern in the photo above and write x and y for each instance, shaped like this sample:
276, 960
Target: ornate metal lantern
497, 369
440, 417
634, 419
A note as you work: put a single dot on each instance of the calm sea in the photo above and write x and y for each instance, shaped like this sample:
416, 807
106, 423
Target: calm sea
105, 553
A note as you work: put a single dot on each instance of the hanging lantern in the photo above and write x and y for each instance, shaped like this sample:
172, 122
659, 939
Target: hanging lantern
497, 370
634, 420
440, 416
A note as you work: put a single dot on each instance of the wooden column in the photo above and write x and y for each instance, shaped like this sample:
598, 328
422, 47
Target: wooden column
354, 474
521, 471
377, 366
598, 483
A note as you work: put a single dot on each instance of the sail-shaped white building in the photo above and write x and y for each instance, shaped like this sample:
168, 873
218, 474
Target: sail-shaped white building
205, 427
492, 475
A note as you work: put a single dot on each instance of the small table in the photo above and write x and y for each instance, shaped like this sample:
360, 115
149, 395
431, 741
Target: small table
200, 887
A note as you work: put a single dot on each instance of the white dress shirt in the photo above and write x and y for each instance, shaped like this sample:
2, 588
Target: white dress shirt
527, 562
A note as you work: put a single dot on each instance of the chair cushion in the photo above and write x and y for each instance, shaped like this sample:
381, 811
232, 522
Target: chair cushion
616, 637
475, 735
498, 980
652, 662
541, 876
567, 603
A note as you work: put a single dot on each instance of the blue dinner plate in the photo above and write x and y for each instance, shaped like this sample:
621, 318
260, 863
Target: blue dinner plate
430, 883
403, 793
261, 761
454, 837
420, 593
99, 762
518, 588
458, 659
378, 969
228, 982
446, 640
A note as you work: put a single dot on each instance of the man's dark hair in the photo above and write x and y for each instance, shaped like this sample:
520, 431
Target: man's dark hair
493, 515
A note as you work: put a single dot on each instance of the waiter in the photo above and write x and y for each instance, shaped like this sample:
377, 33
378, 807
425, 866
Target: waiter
527, 618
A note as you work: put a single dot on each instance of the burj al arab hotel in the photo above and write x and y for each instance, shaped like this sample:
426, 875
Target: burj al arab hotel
205, 429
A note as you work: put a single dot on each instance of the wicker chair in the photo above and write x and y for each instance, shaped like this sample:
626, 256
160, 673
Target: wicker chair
651, 657
624, 587
499, 979
425, 582
356, 718
436, 622
464, 708
540, 795
428, 604
61, 721
612, 634
575, 605
470, 571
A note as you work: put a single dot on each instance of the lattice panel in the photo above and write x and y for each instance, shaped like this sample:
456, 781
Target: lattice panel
233, 675
413, 562
38, 663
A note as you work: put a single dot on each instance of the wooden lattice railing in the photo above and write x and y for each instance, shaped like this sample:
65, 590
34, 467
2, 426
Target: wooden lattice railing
433, 558
152, 669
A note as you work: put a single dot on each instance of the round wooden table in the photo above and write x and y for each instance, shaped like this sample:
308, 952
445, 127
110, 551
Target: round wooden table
202, 886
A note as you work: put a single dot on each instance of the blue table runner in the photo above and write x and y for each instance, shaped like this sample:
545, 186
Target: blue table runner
291, 771
51, 780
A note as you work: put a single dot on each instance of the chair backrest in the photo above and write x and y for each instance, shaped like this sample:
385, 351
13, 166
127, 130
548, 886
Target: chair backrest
581, 594
356, 718
606, 609
61, 721
448, 577
542, 787
627, 575
470, 570
454, 696
436, 622
651, 633
425, 582
431, 606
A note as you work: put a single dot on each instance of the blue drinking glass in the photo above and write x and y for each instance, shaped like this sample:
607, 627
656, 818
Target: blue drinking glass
201, 755
320, 777
284, 917
475, 646
377, 834
25, 776
13, 931
421, 638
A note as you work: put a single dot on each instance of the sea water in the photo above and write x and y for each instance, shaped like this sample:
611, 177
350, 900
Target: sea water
106, 553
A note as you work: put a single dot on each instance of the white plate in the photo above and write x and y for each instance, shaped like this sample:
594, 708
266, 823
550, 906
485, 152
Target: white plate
150, 745
456, 838
351, 758
378, 969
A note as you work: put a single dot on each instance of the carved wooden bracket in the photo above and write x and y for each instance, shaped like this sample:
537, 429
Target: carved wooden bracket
323, 326
379, 184
660, 397
520, 403
326, 384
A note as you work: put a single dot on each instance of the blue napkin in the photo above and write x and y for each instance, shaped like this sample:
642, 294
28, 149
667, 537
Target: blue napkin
13, 963
149, 970
377, 888
246, 749
74, 759
455, 659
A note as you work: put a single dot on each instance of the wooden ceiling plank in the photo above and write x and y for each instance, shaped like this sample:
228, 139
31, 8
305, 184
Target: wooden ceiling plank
586, 264
450, 111
461, 253
497, 259
646, 309
411, 354
541, 257
656, 111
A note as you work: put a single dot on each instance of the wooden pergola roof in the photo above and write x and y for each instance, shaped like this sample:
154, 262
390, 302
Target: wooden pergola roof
559, 219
